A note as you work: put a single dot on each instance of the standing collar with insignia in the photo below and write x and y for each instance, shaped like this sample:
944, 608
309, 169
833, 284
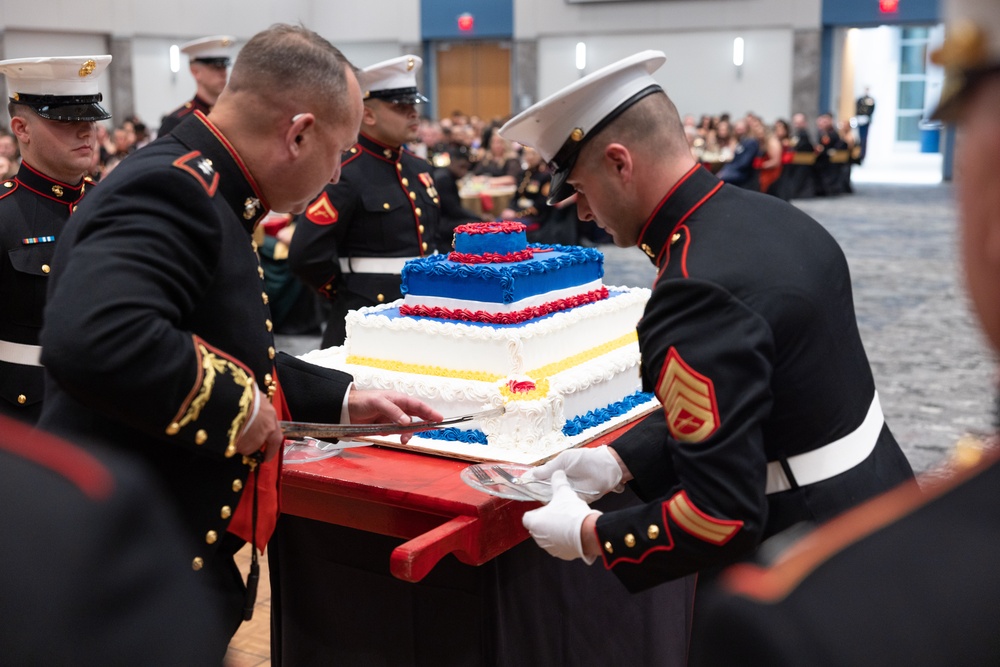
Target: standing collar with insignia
690, 192
236, 184
379, 150
49, 188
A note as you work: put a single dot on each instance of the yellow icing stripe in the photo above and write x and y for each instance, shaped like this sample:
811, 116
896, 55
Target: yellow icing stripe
418, 369
583, 357
538, 375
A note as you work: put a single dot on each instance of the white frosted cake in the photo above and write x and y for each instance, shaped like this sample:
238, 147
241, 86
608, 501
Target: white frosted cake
501, 323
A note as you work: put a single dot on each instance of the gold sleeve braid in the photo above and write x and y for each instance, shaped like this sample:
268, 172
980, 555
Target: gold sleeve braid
212, 365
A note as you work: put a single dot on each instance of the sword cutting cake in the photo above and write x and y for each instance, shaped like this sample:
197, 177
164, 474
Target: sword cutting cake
499, 322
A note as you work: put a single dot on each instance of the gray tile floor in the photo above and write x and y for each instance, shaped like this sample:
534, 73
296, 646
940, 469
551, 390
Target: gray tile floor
934, 374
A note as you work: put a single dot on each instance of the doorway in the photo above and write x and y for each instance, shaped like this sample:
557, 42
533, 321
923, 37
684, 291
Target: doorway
474, 78
892, 64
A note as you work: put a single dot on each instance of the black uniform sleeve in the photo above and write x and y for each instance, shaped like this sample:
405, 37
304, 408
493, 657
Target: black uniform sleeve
116, 338
316, 248
715, 391
313, 393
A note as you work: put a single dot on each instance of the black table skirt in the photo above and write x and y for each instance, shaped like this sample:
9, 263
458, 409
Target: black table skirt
335, 603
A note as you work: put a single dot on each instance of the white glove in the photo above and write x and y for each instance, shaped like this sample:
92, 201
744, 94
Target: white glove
587, 469
556, 526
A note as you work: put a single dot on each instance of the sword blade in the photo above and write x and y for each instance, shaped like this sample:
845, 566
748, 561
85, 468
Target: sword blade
293, 430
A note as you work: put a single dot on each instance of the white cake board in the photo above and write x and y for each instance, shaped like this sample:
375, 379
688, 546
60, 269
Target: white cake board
472, 452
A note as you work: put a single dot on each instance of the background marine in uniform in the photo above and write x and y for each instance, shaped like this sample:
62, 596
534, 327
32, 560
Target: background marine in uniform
54, 106
353, 240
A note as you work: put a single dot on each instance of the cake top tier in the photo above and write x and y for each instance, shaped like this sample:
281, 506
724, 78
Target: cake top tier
479, 242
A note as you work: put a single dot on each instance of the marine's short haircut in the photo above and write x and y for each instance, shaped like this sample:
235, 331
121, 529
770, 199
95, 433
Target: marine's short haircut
287, 61
652, 122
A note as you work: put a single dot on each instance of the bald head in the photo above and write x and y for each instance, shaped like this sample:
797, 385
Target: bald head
292, 106
288, 69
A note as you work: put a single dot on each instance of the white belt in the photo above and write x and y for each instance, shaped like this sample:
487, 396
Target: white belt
16, 353
829, 460
373, 264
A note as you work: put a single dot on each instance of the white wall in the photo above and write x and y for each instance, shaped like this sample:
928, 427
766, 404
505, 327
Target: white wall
367, 32
699, 74
533, 18
696, 36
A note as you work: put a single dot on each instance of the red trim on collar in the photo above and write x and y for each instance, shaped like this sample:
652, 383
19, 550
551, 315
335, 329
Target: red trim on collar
236, 158
399, 150
663, 201
78, 189
49, 178
687, 239
354, 156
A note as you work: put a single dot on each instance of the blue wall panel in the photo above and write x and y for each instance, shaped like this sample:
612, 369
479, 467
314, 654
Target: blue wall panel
494, 19
861, 13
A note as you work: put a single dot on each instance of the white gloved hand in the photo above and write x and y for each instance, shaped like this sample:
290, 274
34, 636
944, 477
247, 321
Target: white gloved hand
587, 469
556, 526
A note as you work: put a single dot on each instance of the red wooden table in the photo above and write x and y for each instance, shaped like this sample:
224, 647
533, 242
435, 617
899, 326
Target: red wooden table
418, 497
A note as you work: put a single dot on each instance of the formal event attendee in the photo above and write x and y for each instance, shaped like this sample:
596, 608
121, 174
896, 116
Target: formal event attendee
54, 106
175, 362
741, 170
530, 202
770, 154
208, 59
909, 578
500, 160
352, 242
453, 213
770, 414
864, 109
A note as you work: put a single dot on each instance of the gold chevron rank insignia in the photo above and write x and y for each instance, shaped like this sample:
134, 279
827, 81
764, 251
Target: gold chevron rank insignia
322, 211
688, 399
701, 525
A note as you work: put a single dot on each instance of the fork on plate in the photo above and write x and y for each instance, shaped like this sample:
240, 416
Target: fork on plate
517, 480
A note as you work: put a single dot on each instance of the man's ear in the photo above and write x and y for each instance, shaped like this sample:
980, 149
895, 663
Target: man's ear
618, 158
368, 116
20, 129
300, 129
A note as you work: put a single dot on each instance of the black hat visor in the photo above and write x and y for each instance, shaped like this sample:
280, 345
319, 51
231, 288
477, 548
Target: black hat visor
65, 107
398, 96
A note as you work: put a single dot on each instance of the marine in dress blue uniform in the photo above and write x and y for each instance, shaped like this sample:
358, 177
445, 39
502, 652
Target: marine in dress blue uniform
170, 371
34, 207
352, 242
910, 577
173, 358
769, 411
208, 58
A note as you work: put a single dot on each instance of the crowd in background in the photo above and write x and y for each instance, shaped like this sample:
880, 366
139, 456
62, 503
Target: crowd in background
787, 159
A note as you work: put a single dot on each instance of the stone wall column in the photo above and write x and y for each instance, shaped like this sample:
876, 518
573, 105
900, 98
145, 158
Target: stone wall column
524, 86
806, 66
121, 93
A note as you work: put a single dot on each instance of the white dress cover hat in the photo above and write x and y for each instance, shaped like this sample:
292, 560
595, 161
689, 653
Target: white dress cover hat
561, 124
393, 80
60, 88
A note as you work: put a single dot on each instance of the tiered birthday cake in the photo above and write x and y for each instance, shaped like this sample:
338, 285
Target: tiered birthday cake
500, 322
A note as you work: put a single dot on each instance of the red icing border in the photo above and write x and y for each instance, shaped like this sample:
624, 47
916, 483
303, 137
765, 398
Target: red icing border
514, 317
491, 257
